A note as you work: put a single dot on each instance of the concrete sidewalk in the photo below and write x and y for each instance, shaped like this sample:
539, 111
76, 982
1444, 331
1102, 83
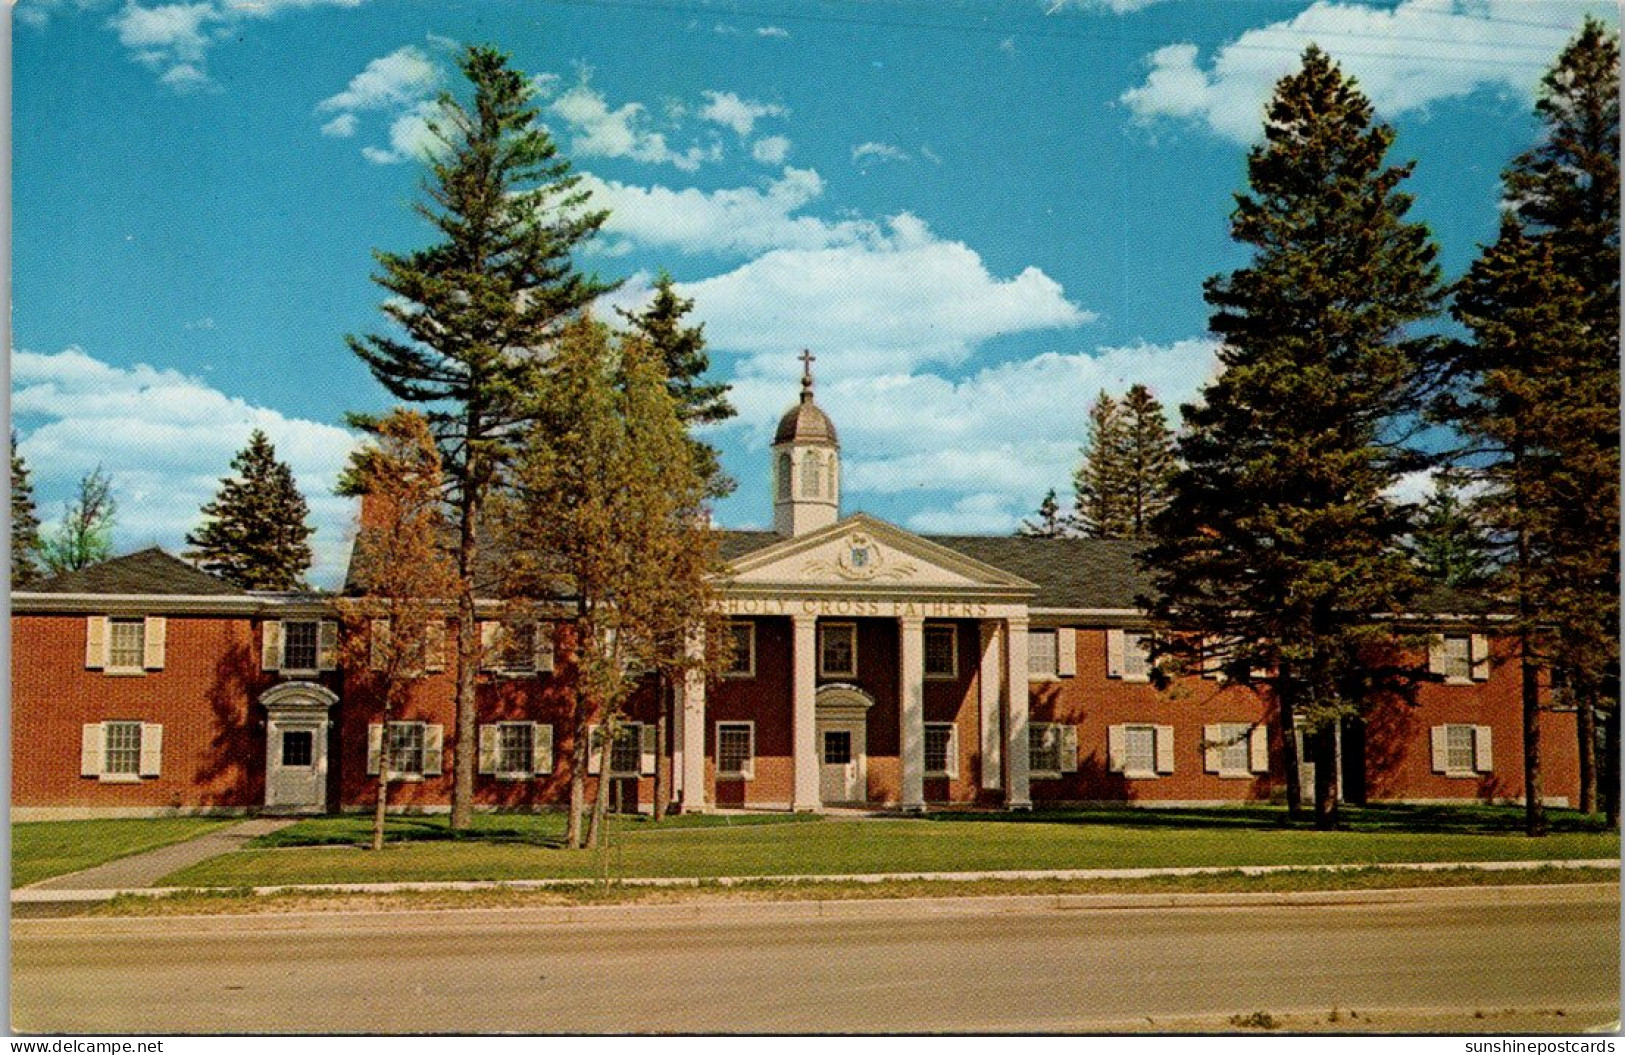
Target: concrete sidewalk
43, 893
143, 869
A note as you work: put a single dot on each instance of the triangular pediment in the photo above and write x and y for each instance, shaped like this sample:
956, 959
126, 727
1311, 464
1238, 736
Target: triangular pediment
863, 552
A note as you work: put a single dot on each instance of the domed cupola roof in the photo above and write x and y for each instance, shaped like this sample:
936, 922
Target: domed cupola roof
806, 422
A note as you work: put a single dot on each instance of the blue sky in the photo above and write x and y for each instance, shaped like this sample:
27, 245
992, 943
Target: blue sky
976, 213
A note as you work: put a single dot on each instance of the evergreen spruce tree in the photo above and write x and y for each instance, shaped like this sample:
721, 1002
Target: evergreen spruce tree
1101, 503
1147, 458
1566, 190
1448, 544
480, 308
255, 534
1049, 522
1278, 558
25, 538
682, 351
85, 534
1540, 410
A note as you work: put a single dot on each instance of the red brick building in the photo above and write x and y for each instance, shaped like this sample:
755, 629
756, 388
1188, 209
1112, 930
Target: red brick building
872, 667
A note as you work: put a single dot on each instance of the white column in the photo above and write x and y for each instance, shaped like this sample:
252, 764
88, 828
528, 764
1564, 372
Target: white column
692, 741
1015, 717
804, 741
991, 682
911, 711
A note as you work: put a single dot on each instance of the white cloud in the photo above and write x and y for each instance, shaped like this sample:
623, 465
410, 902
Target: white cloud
396, 80
165, 439
731, 220
1116, 7
896, 299
615, 133
174, 39
982, 513
878, 152
771, 150
341, 127
1406, 57
410, 138
773, 31
741, 115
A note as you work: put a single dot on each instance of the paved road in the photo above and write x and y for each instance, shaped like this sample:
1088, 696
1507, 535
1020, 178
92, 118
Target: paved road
911, 966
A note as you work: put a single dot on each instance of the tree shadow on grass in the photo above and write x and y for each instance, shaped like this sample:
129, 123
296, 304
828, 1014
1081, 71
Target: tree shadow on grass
1464, 819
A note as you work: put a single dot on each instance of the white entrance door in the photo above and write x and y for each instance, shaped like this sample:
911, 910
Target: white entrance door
841, 776
296, 764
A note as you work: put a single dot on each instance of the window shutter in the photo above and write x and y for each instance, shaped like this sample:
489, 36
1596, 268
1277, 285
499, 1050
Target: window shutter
594, 759
1440, 752
1483, 753
1116, 748
153, 635
152, 749
327, 647
952, 767
1066, 652
1436, 657
541, 748
271, 645
434, 739
379, 658
92, 740
95, 642
489, 631
1212, 750
1165, 749
434, 645
489, 735
647, 759
1258, 749
1480, 656
1210, 658
375, 748
1114, 653
1069, 749
750, 758
544, 648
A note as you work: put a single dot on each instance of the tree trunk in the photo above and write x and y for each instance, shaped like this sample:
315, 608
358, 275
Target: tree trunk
600, 801
468, 646
662, 765
1587, 723
1611, 775
1534, 810
383, 786
1325, 755
1289, 745
580, 747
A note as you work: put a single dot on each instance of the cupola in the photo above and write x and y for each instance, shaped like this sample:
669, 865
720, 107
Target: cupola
806, 464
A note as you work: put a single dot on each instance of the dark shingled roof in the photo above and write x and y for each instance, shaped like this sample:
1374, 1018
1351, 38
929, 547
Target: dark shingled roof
149, 572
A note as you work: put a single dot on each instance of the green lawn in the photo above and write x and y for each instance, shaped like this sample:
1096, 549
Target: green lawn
526, 846
42, 849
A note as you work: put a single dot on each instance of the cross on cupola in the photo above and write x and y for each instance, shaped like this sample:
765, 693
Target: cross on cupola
806, 463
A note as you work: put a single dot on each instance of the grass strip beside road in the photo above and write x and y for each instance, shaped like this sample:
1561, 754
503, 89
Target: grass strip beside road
244, 901
43, 849
523, 847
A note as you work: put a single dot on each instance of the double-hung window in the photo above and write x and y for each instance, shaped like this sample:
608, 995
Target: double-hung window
126, 644
405, 747
122, 756
742, 650
941, 651
941, 749
1137, 657
736, 750
516, 749
1140, 749
301, 643
838, 650
1042, 654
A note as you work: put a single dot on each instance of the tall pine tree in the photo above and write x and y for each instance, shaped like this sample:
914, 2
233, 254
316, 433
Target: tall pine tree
1147, 458
1048, 523
479, 308
25, 538
1279, 554
255, 532
1534, 403
1565, 190
1448, 543
1100, 498
682, 352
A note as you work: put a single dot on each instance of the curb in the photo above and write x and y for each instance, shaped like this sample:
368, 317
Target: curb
37, 896
403, 920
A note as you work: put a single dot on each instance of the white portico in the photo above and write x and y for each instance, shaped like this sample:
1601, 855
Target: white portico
845, 611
